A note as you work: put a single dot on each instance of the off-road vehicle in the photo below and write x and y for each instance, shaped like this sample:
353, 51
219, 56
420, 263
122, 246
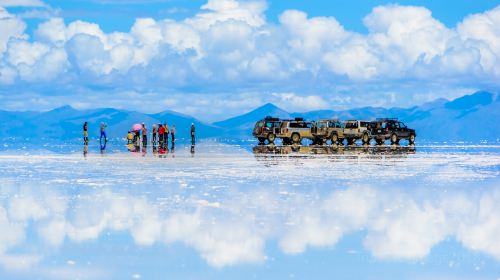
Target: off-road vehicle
324, 130
356, 129
393, 129
293, 131
267, 129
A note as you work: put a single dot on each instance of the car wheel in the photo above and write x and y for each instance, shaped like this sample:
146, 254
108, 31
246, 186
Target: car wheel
350, 141
412, 139
380, 142
261, 140
334, 138
366, 138
394, 138
341, 141
271, 137
296, 138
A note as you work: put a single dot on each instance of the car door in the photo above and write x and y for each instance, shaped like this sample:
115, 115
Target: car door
351, 128
403, 130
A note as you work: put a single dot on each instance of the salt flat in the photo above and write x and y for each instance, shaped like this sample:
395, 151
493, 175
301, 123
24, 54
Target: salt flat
423, 212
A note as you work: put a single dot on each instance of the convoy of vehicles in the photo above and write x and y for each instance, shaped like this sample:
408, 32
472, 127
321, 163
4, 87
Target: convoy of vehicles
333, 131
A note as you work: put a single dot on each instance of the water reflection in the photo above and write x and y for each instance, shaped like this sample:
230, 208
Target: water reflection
230, 209
333, 150
235, 227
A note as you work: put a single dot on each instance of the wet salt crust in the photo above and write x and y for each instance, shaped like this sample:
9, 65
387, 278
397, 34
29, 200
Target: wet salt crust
226, 210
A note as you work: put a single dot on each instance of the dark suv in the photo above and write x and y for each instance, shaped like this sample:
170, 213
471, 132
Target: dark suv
393, 129
267, 129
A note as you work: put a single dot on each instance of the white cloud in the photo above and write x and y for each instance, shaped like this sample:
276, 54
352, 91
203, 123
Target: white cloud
22, 3
229, 46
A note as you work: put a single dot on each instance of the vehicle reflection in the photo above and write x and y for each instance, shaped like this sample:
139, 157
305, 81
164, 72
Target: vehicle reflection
298, 150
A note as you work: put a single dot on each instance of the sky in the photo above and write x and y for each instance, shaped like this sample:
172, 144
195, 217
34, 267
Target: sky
215, 59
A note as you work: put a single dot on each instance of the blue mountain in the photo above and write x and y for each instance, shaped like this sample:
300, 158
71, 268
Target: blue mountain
472, 118
66, 123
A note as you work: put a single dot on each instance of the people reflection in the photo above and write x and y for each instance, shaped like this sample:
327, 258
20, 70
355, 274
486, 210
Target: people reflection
155, 151
85, 149
192, 150
103, 147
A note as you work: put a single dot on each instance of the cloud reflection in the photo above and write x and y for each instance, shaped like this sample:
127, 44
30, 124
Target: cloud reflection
399, 223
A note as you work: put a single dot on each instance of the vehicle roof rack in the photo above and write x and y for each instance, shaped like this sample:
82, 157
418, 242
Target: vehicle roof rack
387, 119
269, 118
299, 119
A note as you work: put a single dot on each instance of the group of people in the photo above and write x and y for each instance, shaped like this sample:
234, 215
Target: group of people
159, 135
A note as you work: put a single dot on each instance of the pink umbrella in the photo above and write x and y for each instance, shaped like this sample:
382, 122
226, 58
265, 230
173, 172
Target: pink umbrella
136, 127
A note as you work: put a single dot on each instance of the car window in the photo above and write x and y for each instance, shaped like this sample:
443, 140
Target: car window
351, 125
269, 125
402, 125
260, 124
308, 125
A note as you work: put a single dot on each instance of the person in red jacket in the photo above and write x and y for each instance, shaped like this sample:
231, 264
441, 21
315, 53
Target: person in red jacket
161, 131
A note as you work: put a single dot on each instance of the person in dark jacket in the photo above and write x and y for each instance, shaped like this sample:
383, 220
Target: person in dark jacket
192, 133
144, 135
85, 132
172, 132
153, 138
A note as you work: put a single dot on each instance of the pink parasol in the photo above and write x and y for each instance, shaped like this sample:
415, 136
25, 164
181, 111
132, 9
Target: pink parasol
136, 127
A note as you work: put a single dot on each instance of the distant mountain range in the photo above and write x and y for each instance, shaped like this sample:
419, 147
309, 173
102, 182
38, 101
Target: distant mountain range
471, 118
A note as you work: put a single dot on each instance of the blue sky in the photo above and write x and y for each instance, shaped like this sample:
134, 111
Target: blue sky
218, 58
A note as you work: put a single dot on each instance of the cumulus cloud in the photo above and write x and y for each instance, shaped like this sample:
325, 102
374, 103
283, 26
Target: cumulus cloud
230, 46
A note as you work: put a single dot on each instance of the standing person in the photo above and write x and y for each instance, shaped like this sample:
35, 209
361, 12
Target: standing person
85, 133
167, 131
103, 133
144, 135
153, 138
161, 132
172, 132
192, 133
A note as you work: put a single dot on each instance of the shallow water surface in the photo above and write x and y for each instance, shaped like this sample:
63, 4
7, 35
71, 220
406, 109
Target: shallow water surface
220, 211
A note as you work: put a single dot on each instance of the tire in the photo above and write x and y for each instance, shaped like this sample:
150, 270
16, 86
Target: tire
380, 142
341, 141
411, 139
296, 138
394, 138
318, 141
365, 138
271, 137
261, 140
286, 141
335, 138
350, 141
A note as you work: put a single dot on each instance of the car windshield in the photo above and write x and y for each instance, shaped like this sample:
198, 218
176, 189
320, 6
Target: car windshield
259, 124
402, 125
320, 125
269, 124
